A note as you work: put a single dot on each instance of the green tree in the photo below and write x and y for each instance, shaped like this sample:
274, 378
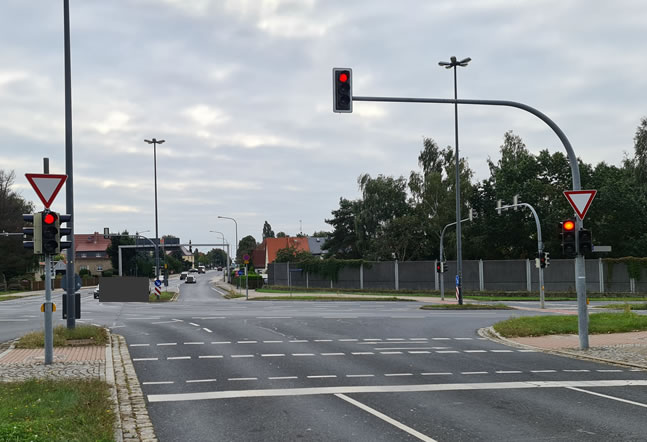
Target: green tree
15, 260
245, 247
267, 231
281, 235
291, 254
342, 242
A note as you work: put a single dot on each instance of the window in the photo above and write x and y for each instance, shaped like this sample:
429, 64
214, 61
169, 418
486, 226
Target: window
99, 268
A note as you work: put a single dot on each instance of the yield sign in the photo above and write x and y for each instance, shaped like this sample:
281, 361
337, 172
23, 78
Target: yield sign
580, 200
46, 186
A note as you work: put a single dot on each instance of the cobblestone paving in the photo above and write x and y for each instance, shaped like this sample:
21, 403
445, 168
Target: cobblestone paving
60, 370
631, 354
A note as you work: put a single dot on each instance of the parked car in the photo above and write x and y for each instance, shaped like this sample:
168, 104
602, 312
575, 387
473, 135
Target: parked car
220, 268
190, 279
193, 270
183, 275
96, 292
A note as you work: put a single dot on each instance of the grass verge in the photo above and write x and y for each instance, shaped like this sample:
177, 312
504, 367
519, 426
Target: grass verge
567, 324
466, 307
56, 410
9, 297
233, 295
327, 298
95, 335
164, 297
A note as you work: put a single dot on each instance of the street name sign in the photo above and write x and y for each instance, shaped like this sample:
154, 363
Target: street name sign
46, 186
580, 200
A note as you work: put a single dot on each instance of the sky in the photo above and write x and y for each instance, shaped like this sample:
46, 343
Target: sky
241, 92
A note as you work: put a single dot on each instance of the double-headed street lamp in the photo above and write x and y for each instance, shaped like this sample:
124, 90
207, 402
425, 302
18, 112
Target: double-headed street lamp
155, 142
459, 253
235, 245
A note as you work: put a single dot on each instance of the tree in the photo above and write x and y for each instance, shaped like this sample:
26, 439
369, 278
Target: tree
291, 254
245, 247
281, 235
320, 234
342, 242
267, 231
15, 260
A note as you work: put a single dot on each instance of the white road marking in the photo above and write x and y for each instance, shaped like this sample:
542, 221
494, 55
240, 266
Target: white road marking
390, 352
398, 374
158, 383
508, 371
299, 340
418, 339
247, 342
360, 375
280, 378
274, 317
420, 352
221, 342
303, 354
194, 324
210, 357
269, 355
576, 371
193, 343
436, 374
447, 351
272, 342
167, 343
144, 359
177, 320
474, 372
242, 379
323, 376
609, 371
475, 351
139, 345
543, 371
200, 380
207, 330
609, 397
323, 340
242, 356
362, 353
386, 418
173, 358
395, 339
527, 351
340, 317
501, 351
163, 322
463, 339
440, 339
347, 340
333, 354
372, 339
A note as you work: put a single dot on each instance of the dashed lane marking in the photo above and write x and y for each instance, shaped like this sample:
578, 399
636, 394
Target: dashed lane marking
167, 343
193, 343
242, 379
210, 357
303, 354
509, 371
242, 356
475, 351
501, 351
207, 330
199, 380
139, 345
626, 401
447, 351
323, 340
323, 376
221, 342
474, 372
360, 375
175, 358
280, 378
272, 342
437, 374
543, 371
390, 352
247, 342
333, 354
398, 374
272, 355
144, 359
362, 353
158, 383
194, 324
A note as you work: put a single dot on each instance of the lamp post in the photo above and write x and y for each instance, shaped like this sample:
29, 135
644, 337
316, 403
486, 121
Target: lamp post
459, 253
228, 261
235, 245
155, 142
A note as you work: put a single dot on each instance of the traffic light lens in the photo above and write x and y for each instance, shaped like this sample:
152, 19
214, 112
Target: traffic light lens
569, 225
343, 77
49, 219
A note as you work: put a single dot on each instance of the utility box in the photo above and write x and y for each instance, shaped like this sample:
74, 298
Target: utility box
77, 305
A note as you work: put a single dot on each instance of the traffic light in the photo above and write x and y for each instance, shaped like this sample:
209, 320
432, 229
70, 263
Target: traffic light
568, 238
64, 231
542, 260
439, 267
586, 241
547, 259
342, 98
50, 233
34, 231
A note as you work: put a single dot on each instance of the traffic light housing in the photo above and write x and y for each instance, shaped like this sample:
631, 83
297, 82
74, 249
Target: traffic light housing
50, 233
585, 241
342, 98
542, 260
439, 267
64, 231
568, 238
547, 259
35, 232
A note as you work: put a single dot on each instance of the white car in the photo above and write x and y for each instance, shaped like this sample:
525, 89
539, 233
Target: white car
190, 278
96, 292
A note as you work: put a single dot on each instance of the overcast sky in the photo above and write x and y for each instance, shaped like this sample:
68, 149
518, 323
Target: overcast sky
241, 91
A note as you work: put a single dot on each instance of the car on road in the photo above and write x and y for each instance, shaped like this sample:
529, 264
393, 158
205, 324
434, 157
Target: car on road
190, 279
183, 275
201, 269
193, 270
219, 268
96, 292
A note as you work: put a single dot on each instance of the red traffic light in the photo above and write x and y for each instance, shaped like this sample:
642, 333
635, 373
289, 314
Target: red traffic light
568, 225
49, 218
343, 77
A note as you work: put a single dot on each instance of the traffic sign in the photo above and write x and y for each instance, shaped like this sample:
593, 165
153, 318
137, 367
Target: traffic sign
241, 272
580, 200
46, 186
158, 283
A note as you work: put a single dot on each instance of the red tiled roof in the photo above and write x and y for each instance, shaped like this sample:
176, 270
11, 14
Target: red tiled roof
90, 242
273, 245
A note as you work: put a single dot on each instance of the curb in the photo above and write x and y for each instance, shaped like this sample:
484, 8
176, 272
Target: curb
110, 379
492, 335
11, 347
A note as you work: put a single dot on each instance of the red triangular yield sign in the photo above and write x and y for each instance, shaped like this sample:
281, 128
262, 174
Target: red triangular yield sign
580, 200
46, 186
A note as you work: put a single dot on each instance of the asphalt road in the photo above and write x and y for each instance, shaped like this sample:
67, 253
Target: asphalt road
216, 369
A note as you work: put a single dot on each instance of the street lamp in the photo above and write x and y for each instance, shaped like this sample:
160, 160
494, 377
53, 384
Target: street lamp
228, 253
235, 245
155, 142
459, 253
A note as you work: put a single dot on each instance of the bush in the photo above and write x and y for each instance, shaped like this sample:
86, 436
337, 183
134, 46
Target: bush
84, 273
107, 273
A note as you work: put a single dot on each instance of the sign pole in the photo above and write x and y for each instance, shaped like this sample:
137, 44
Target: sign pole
49, 332
246, 284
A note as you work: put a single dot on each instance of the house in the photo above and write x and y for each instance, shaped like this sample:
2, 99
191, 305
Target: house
265, 253
315, 243
90, 253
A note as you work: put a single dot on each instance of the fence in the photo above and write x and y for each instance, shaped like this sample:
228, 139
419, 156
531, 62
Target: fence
509, 275
40, 285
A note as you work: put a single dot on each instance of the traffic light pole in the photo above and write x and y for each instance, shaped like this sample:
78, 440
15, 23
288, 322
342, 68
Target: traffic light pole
580, 279
442, 279
49, 331
540, 247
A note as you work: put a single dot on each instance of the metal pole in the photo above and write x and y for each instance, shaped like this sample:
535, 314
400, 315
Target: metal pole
157, 238
49, 331
69, 170
580, 279
246, 284
442, 279
459, 248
